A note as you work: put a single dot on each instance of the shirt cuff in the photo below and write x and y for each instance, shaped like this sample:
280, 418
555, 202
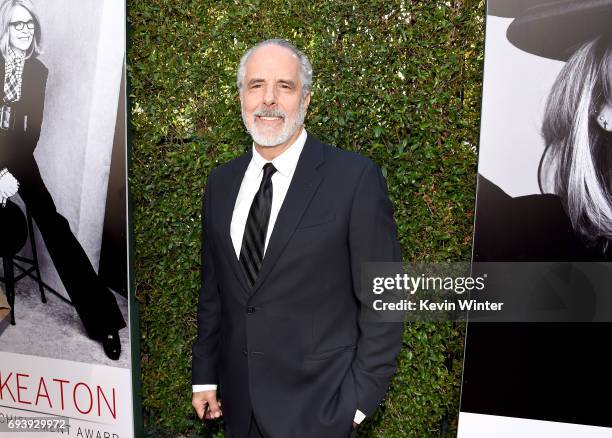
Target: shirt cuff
199, 388
359, 417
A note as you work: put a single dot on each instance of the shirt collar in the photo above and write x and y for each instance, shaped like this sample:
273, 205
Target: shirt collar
14, 56
286, 162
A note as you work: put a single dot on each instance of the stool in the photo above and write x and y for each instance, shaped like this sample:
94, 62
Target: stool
32, 271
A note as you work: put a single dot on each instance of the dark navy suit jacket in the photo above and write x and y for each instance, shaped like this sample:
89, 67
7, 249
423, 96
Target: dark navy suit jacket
292, 350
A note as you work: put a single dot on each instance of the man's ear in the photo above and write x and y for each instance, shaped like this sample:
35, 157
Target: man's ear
306, 101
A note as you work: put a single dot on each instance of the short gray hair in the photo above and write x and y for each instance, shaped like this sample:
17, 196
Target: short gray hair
305, 66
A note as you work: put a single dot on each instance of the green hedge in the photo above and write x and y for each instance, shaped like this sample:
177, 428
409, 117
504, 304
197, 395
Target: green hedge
398, 81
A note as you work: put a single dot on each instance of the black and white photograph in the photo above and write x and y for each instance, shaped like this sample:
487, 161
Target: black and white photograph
544, 194
64, 284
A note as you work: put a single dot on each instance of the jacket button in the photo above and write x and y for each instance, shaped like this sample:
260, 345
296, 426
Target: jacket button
250, 310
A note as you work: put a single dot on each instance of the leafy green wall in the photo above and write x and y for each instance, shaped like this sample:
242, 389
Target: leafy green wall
398, 81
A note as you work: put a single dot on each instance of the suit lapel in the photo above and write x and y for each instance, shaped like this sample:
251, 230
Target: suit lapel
303, 186
227, 209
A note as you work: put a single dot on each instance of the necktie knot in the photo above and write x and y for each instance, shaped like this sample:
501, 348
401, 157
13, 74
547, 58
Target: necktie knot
268, 171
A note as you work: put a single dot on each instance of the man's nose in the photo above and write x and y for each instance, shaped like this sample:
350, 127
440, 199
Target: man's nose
270, 95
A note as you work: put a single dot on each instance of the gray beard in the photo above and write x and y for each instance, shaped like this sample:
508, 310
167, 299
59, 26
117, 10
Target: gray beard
282, 137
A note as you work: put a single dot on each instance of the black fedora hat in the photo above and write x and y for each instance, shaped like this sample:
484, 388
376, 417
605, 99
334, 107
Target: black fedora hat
555, 29
13, 229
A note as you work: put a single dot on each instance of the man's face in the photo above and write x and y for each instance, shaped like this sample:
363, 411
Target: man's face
273, 107
20, 34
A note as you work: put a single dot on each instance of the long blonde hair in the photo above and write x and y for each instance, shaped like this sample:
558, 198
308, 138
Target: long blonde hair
577, 162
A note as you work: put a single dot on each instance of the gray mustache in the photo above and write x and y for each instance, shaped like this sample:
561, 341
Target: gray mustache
270, 113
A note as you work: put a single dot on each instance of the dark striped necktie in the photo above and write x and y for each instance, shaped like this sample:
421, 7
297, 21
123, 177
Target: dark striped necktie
254, 239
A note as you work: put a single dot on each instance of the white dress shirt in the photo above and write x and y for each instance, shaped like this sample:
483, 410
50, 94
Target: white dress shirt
285, 165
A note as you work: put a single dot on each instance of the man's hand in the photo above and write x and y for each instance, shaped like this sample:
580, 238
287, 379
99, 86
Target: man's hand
8, 186
206, 405
355, 425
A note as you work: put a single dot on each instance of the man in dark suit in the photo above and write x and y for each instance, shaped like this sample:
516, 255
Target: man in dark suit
286, 230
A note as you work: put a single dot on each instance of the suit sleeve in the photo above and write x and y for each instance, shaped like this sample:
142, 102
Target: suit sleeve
373, 238
205, 350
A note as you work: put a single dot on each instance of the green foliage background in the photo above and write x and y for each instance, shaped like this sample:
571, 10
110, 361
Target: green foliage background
398, 81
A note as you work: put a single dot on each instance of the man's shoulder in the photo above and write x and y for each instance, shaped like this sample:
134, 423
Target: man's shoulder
348, 160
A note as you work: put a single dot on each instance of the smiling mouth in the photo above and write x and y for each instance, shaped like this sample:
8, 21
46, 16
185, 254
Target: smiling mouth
269, 119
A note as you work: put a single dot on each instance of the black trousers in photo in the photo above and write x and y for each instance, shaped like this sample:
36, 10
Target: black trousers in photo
94, 302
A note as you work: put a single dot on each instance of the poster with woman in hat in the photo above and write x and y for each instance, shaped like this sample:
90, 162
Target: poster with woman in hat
544, 195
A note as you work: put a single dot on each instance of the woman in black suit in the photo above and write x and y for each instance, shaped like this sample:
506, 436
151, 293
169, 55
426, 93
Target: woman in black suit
21, 116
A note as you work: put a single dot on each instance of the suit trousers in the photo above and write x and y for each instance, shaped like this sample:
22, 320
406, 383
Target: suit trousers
254, 431
94, 302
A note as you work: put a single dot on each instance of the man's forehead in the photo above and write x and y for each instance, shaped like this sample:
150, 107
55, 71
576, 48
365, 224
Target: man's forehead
272, 58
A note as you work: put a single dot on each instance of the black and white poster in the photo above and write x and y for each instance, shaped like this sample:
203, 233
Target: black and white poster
544, 195
64, 291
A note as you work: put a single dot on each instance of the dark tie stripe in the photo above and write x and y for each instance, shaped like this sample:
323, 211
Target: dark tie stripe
254, 239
